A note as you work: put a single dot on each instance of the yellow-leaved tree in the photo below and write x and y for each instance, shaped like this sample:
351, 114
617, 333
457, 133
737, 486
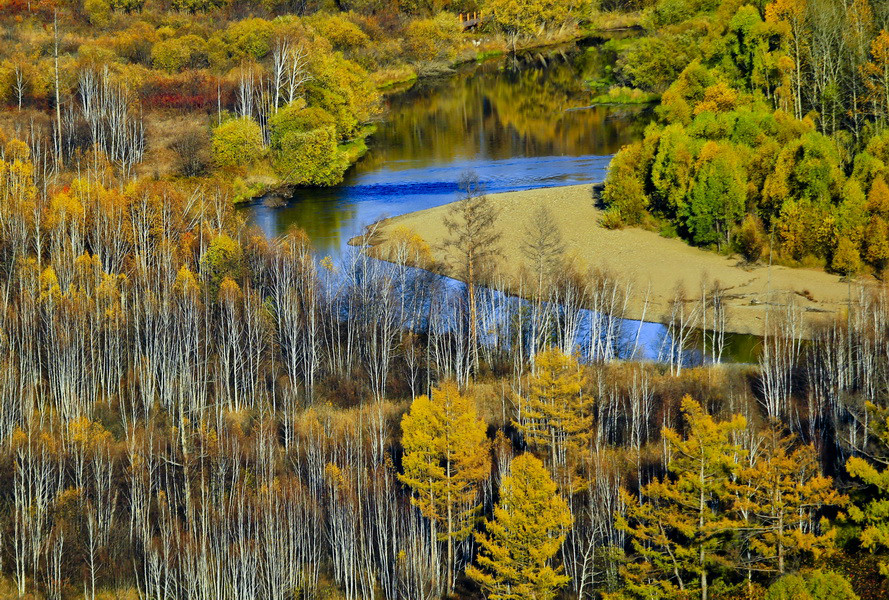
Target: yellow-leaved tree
515, 559
778, 498
872, 515
447, 456
557, 417
681, 529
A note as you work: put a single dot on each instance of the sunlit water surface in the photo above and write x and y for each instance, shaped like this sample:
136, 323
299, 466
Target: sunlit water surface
518, 123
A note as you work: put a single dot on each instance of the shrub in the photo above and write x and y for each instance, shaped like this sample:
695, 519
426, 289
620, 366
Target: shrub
175, 54
342, 33
750, 240
295, 117
430, 39
237, 142
98, 12
817, 585
192, 150
310, 157
612, 219
250, 38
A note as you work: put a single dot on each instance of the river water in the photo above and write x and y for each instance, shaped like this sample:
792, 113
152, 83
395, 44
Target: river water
519, 123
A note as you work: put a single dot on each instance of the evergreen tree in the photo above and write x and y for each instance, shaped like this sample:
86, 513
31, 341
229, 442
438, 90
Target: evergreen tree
446, 458
514, 562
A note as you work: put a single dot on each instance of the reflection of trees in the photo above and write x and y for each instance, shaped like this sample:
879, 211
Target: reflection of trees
322, 215
503, 109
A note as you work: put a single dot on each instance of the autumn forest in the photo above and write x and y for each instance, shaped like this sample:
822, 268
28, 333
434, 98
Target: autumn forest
193, 408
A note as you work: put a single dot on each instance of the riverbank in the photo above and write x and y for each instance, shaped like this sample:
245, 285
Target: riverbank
655, 266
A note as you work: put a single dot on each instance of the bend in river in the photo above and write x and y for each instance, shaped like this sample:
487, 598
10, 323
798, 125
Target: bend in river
519, 123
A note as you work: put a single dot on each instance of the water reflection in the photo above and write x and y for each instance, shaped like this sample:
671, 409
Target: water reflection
520, 123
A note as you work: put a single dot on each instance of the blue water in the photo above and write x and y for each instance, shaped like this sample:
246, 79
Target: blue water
517, 126
332, 216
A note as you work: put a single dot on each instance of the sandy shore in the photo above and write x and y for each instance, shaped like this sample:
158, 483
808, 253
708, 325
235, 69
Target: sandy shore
655, 265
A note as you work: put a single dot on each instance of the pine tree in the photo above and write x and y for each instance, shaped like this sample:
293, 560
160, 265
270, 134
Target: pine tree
557, 416
681, 531
446, 458
514, 562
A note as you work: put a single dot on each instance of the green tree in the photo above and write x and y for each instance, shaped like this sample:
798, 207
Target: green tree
237, 142
717, 197
446, 458
528, 528
681, 529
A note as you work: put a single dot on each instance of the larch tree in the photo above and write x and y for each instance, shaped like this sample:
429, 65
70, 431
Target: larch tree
557, 416
872, 516
446, 458
681, 529
778, 498
518, 547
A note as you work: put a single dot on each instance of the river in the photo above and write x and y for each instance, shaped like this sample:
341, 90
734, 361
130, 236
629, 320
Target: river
519, 123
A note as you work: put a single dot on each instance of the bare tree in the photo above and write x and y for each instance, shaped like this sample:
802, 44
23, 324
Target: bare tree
473, 246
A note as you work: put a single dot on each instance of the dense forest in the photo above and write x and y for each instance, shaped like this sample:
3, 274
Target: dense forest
191, 409
771, 131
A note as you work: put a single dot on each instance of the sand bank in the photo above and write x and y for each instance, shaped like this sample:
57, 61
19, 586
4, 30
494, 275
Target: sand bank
654, 264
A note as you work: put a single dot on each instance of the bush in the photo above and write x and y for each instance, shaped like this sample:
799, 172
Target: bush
310, 157
817, 585
192, 149
98, 12
430, 39
249, 39
175, 54
750, 240
295, 117
342, 33
237, 142
612, 219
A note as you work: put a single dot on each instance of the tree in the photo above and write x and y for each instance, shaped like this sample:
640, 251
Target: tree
871, 515
557, 417
717, 196
681, 529
446, 458
778, 498
237, 142
514, 561
877, 73
473, 245
542, 246
846, 260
